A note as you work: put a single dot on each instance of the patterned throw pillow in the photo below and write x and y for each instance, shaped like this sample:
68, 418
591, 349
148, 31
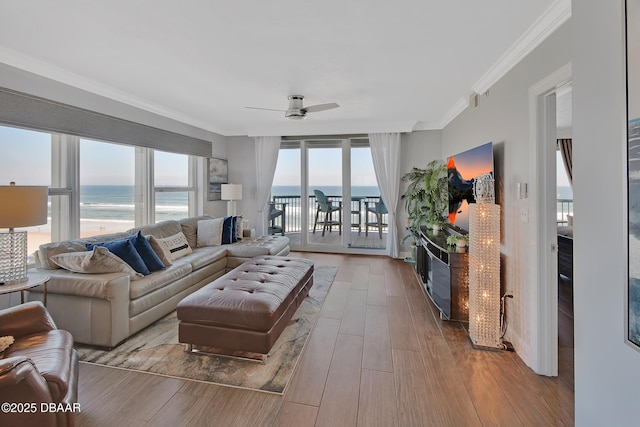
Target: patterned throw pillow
175, 246
98, 260
158, 248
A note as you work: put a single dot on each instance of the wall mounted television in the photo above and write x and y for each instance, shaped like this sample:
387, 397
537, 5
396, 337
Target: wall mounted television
462, 170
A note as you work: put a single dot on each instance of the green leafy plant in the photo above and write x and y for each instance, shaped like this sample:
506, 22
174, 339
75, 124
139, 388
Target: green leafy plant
452, 239
426, 197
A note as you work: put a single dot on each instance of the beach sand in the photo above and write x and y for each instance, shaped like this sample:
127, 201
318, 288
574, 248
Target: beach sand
41, 234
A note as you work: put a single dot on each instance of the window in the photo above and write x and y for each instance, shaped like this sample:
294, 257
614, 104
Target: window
171, 186
106, 187
26, 160
99, 187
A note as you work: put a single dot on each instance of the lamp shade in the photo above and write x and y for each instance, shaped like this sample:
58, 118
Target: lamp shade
231, 192
22, 206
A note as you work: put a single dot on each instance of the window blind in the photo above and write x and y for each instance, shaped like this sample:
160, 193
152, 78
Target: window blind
28, 111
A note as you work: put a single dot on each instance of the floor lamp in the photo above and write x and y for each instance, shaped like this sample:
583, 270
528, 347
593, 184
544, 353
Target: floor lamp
20, 206
484, 266
231, 192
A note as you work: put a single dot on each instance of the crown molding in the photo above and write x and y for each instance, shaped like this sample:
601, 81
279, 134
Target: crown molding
49, 71
556, 15
331, 128
454, 112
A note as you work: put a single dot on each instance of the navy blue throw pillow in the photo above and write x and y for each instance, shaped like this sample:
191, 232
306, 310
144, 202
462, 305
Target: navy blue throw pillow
146, 252
227, 230
125, 250
234, 229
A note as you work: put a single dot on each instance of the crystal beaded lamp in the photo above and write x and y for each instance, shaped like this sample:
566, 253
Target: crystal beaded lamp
484, 266
20, 206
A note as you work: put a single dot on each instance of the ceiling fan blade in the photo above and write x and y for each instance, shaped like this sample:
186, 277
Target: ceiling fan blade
320, 107
267, 109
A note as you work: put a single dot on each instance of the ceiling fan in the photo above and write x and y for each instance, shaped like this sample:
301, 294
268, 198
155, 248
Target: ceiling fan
296, 111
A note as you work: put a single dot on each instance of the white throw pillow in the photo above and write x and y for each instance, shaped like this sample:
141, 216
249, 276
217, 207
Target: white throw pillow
97, 260
175, 246
210, 232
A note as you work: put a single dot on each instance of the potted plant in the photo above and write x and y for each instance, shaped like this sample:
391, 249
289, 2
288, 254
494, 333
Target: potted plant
458, 240
426, 196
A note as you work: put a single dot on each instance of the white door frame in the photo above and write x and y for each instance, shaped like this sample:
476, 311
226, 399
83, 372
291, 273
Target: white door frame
543, 274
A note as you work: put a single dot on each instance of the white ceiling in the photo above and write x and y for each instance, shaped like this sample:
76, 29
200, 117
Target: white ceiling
391, 65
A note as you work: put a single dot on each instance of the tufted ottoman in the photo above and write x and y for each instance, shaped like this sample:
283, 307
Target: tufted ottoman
244, 312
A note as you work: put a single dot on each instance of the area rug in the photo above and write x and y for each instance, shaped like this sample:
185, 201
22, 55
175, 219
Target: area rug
156, 350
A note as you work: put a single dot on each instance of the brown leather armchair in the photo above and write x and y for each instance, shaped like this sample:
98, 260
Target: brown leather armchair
40, 368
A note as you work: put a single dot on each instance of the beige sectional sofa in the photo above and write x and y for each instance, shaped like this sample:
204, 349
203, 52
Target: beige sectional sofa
104, 309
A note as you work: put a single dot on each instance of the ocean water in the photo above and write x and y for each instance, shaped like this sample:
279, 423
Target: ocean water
116, 203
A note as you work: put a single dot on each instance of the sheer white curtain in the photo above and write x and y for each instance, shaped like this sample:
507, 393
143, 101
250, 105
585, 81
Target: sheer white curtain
267, 149
567, 157
385, 151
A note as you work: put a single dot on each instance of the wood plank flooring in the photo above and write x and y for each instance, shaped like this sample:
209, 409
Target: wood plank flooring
378, 356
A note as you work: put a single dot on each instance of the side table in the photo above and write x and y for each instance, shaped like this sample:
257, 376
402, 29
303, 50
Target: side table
33, 281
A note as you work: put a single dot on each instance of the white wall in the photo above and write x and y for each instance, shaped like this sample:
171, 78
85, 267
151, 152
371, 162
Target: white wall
503, 117
418, 149
242, 170
22, 81
607, 371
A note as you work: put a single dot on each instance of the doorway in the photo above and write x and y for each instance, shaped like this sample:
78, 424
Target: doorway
564, 231
543, 274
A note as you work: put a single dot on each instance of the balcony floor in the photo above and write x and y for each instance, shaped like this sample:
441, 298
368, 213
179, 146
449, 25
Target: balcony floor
358, 239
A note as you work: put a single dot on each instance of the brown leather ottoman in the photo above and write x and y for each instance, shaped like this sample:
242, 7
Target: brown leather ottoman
244, 312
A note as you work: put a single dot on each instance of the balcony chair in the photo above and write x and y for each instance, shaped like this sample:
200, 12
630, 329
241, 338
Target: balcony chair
378, 209
327, 207
275, 213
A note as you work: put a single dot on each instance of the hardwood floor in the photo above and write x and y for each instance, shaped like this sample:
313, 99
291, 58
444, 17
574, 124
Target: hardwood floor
378, 356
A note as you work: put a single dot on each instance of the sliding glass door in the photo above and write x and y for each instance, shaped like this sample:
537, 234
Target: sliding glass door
324, 189
329, 194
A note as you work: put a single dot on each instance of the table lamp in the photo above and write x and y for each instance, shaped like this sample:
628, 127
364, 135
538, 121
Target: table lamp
20, 206
231, 192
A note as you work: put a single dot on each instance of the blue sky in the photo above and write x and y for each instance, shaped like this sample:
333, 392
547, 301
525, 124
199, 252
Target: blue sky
325, 167
26, 159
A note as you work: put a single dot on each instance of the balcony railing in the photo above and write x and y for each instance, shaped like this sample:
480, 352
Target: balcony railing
293, 210
564, 208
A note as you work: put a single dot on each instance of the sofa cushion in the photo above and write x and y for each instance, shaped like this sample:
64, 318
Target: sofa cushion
51, 353
210, 232
159, 279
263, 245
98, 260
125, 250
160, 230
202, 257
190, 228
